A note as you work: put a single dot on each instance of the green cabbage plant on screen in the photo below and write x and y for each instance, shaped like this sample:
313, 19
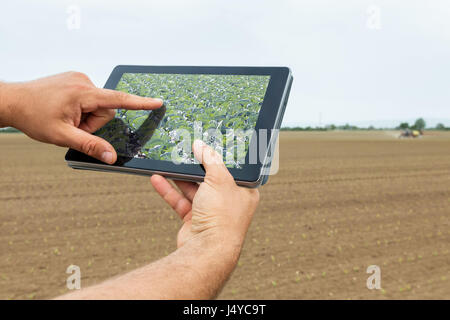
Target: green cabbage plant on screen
215, 101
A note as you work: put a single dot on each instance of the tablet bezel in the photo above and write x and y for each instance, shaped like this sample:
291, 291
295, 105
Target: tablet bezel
267, 119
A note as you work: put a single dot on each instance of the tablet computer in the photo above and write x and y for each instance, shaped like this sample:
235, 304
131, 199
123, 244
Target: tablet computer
236, 110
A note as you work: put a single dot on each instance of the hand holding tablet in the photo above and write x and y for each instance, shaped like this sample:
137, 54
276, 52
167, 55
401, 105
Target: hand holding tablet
235, 110
205, 208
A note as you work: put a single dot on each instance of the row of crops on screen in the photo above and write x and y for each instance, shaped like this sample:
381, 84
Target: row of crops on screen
195, 102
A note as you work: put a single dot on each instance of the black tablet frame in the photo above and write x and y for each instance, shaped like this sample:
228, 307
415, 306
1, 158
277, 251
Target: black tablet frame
273, 104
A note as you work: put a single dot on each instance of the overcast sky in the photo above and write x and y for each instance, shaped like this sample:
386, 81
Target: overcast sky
352, 61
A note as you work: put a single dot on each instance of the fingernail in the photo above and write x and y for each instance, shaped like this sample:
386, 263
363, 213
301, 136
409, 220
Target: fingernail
158, 100
107, 157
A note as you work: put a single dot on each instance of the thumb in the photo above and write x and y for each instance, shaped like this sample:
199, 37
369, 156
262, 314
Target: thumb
216, 172
89, 144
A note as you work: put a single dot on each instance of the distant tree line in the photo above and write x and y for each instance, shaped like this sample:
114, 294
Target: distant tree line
327, 128
441, 126
419, 124
331, 127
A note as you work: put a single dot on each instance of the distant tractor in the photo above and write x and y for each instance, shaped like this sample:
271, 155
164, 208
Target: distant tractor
407, 133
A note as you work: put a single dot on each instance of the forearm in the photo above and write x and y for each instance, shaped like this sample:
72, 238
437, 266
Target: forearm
198, 270
4, 108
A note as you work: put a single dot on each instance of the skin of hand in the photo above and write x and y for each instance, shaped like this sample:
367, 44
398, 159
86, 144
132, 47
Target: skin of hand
205, 208
216, 215
65, 110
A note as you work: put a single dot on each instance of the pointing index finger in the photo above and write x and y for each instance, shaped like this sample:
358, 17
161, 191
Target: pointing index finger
112, 99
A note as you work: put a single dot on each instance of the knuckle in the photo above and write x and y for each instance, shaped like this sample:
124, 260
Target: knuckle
78, 87
70, 74
79, 75
88, 147
79, 82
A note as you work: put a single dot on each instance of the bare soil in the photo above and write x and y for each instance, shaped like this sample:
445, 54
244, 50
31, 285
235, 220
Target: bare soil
340, 203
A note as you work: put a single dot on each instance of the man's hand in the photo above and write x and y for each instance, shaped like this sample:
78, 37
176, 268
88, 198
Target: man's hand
65, 109
216, 214
217, 209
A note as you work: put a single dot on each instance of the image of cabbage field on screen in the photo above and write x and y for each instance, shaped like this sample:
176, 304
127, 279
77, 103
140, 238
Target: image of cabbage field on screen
191, 102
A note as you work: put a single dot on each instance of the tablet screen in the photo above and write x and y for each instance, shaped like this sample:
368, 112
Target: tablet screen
222, 110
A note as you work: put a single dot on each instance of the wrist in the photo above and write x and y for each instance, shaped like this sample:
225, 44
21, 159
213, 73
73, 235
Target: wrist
217, 245
206, 264
7, 105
